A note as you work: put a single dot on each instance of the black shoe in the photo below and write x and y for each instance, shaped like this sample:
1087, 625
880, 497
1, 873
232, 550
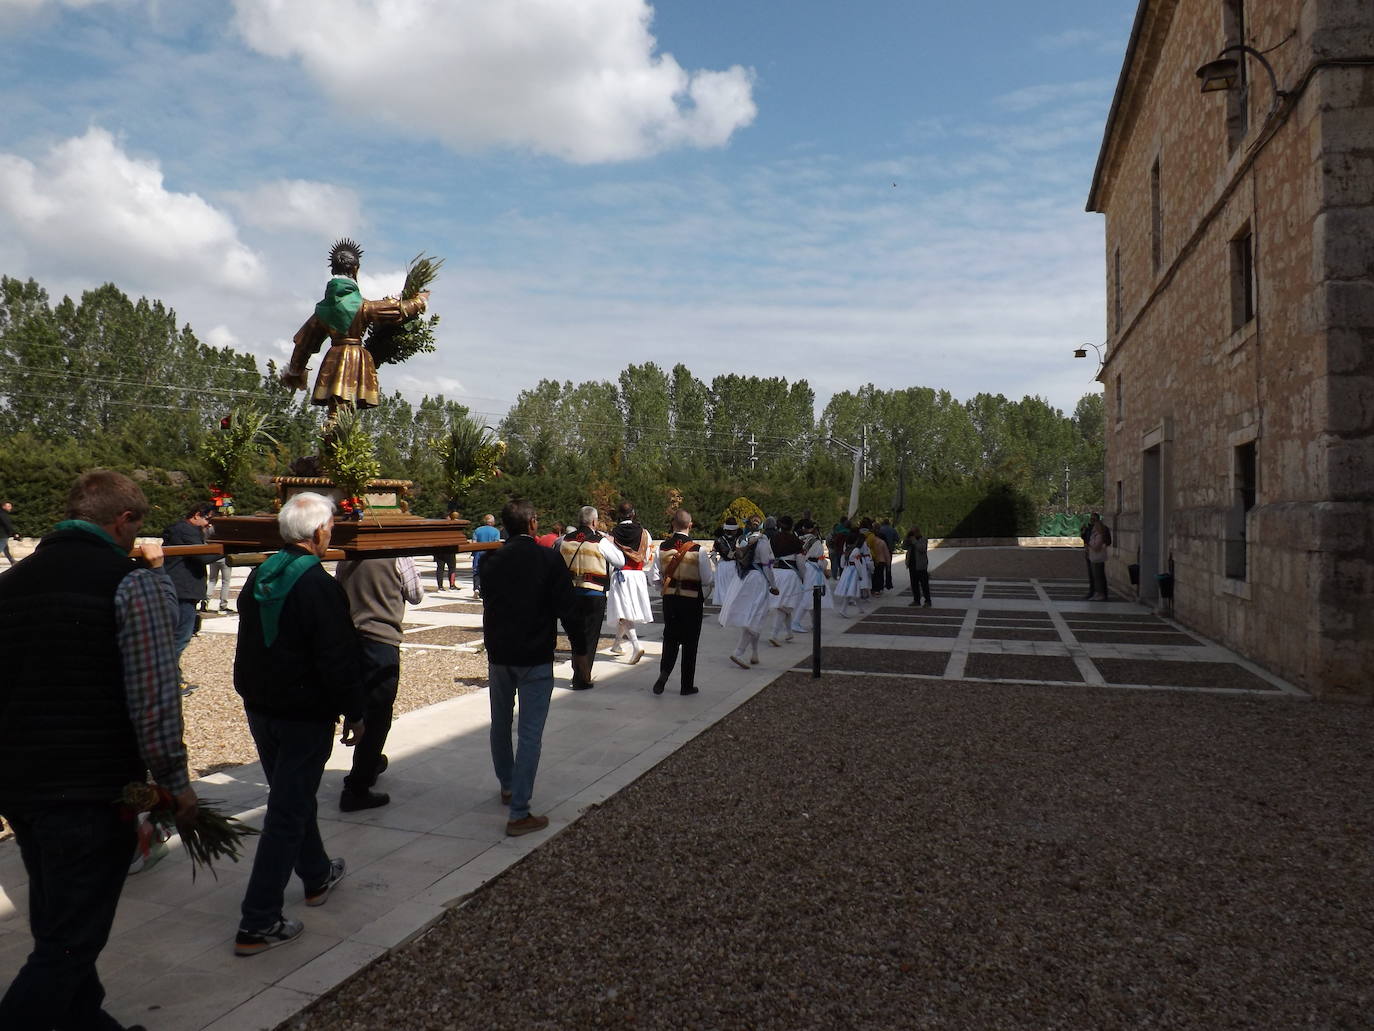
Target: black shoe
382, 763
318, 895
659, 683
578, 685
689, 690
352, 801
250, 943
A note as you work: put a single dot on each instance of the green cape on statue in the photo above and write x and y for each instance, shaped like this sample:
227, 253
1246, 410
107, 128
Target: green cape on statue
341, 303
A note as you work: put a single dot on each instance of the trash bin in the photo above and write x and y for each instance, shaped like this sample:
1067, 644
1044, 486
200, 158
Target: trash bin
1134, 571
1166, 585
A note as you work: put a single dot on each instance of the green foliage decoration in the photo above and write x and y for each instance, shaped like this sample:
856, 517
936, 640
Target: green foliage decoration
396, 343
348, 454
229, 452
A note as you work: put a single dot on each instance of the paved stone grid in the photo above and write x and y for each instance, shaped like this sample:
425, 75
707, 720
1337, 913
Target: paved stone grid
1038, 631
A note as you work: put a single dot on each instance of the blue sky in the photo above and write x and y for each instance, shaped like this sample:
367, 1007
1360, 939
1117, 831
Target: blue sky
886, 192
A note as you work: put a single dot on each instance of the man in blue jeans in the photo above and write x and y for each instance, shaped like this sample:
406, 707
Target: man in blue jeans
297, 668
527, 590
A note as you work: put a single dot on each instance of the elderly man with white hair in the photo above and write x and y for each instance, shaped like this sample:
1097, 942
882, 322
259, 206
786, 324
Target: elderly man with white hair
298, 668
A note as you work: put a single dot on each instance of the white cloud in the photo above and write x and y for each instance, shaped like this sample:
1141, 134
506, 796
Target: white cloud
34, 5
90, 207
221, 336
577, 79
300, 205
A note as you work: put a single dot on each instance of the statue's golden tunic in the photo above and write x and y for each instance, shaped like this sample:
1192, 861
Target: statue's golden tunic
347, 374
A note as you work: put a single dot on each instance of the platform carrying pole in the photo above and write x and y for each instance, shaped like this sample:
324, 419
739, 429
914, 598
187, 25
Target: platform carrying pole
816, 632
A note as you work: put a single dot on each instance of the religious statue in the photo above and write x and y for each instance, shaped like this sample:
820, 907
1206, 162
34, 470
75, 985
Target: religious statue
348, 373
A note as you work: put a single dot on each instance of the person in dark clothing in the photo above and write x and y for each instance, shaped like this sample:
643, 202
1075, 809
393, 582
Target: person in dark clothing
188, 573
88, 705
686, 577
297, 668
377, 590
7, 530
525, 591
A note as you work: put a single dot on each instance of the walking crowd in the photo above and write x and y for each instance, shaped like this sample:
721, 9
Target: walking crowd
91, 641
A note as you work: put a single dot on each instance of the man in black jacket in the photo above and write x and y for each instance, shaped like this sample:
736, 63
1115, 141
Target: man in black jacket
187, 573
525, 590
297, 668
6, 530
88, 704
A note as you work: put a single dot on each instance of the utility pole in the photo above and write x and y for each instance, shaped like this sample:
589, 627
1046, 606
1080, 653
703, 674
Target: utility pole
858, 453
753, 454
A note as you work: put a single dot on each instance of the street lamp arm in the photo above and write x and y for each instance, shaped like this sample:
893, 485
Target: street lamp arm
1264, 62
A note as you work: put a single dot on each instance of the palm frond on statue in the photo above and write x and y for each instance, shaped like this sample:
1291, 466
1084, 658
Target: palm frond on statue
398, 342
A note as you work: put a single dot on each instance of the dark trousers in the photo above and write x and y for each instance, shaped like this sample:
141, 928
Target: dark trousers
77, 856
887, 575
881, 575
186, 623
445, 569
681, 629
583, 627
293, 754
920, 585
381, 676
1097, 571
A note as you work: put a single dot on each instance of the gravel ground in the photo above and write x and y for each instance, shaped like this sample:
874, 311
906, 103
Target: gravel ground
217, 733
877, 853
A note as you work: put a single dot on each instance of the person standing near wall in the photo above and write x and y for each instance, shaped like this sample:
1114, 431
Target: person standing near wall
1099, 542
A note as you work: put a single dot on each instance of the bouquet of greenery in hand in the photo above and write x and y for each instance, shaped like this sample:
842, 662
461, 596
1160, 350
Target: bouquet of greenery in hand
397, 342
212, 836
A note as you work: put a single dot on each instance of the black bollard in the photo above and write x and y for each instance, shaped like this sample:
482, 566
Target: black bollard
816, 631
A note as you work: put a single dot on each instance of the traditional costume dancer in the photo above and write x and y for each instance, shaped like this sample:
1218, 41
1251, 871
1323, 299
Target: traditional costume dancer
723, 553
787, 556
814, 574
627, 602
857, 579
748, 605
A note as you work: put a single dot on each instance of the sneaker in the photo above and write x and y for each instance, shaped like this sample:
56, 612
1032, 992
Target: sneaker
739, 662
616, 649
319, 895
353, 801
639, 654
775, 642
528, 825
250, 943
156, 852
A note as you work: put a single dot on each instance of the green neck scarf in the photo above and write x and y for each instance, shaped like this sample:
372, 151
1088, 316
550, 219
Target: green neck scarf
341, 303
91, 528
273, 583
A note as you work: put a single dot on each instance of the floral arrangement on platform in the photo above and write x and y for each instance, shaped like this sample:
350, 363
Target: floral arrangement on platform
212, 836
